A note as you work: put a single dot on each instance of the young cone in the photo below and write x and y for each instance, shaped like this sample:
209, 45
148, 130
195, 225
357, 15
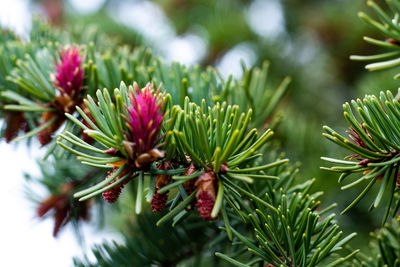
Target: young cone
112, 194
68, 80
205, 194
65, 208
15, 122
144, 122
159, 201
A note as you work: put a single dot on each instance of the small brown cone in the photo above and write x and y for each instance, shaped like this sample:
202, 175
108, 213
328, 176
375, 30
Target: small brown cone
15, 122
112, 194
205, 194
46, 135
159, 201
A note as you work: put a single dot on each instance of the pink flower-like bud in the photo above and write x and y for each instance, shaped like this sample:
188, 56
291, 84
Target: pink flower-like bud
144, 119
69, 76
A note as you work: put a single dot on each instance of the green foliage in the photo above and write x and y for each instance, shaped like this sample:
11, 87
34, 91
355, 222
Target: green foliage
106, 66
30, 74
388, 25
384, 247
254, 92
208, 121
210, 136
146, 244
107, 127
296, 233
375, 142
216, 136
43, 33
108, 69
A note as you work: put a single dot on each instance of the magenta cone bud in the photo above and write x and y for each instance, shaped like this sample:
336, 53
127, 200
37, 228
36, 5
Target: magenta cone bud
69, 75
144, 119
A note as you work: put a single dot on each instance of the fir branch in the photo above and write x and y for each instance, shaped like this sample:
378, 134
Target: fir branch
387, 23
146, 244
374, 144
384, 247
295, 234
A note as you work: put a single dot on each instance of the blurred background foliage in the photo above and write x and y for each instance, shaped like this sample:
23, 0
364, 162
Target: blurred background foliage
309, 40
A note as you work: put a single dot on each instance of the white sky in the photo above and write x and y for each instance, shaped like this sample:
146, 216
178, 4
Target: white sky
26, 240
16, 15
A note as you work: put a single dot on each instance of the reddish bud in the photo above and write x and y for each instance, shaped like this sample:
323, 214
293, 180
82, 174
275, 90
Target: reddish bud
224, 168
64, 207
54, 11
159, 201
205, 194
61, 216
69, 76
112, 194
144, 119
15, 122
205, 204
112, 151
393, 41
46, 205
